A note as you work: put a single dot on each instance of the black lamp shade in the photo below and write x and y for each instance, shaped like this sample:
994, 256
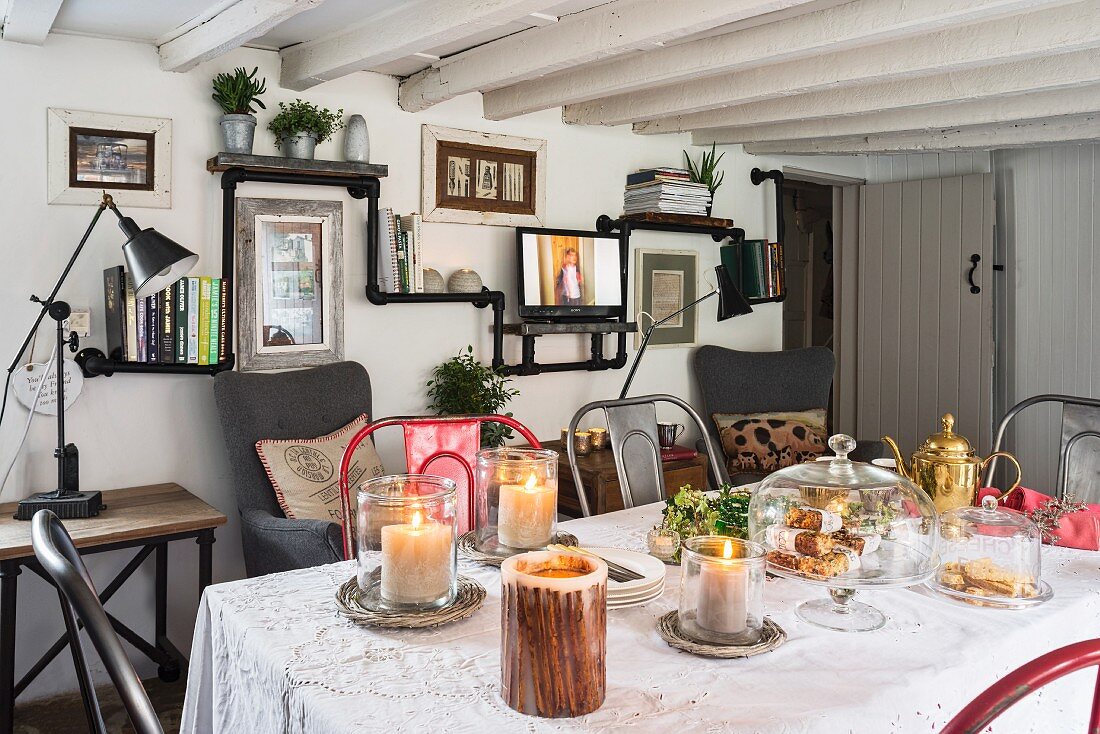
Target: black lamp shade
730, 301
153, 260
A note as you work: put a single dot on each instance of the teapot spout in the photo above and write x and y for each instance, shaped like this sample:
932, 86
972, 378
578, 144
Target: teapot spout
898, 459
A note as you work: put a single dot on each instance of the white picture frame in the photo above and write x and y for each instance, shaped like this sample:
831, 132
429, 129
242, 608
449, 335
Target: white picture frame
58, 125
433, 135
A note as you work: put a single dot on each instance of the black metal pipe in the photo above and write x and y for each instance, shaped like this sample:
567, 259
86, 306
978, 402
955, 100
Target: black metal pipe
97, 364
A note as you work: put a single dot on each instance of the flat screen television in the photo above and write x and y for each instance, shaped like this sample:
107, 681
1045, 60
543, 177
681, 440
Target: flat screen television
570, 275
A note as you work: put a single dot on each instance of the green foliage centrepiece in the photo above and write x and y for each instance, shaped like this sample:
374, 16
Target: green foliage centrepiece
464, 386
690, 512
303, 117
239, 93
704, 172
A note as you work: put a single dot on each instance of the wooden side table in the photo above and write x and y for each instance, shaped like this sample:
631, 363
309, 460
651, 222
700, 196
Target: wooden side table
138, 517
601, 480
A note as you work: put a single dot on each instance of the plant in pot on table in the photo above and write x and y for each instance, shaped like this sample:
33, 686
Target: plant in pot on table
464, 386
238, 95
300, 126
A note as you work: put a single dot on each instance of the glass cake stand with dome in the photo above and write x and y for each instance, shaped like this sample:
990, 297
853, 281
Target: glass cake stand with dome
895, 519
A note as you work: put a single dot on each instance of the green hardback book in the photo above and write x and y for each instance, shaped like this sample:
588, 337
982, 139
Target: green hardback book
731, 258
204, 320
752, 268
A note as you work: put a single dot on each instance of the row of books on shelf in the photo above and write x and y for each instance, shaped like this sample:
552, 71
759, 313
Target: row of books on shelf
401, 252
756, 267
665, 190
183, 324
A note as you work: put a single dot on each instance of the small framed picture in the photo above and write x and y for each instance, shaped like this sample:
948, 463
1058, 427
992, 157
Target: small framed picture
92, 152
666, 281
290, 293
479, 178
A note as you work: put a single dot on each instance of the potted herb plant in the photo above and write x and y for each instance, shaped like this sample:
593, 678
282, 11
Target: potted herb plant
705, 172
299, 126
238, 94
464, 386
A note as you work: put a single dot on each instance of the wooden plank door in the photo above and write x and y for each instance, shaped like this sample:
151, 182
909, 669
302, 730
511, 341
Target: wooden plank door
923, 342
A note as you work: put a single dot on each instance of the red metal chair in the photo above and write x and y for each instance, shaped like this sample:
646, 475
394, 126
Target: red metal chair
445, 444
1024, 680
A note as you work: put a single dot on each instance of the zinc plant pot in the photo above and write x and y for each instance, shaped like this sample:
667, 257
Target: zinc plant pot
299, 145
238, 132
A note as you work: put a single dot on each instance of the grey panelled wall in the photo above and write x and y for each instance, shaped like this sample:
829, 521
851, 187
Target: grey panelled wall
1047, 317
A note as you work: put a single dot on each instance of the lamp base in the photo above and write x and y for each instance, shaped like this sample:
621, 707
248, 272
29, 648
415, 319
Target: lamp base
66, 505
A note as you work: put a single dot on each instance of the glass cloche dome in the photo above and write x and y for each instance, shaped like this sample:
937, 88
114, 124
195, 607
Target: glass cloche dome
847, 526
991, 557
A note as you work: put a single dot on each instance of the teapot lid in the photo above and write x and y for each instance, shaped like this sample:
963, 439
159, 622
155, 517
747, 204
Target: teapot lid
946, 442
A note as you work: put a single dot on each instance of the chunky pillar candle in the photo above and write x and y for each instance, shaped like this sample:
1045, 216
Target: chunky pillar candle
416, 561
525, 517
722, 590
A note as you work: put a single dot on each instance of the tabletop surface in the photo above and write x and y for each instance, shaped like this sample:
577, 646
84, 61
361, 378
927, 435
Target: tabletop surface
131, 514
279, 638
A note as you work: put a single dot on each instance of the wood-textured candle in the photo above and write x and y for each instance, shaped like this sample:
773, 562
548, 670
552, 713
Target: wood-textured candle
554, 638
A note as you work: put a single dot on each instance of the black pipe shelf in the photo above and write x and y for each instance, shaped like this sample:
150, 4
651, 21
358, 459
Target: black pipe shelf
93, 363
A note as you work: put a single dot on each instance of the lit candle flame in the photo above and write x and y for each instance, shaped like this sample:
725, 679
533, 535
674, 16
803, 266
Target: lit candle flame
531, 482
416, 519
727, 550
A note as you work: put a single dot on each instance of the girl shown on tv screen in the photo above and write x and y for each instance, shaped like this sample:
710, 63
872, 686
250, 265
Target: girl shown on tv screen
567, 285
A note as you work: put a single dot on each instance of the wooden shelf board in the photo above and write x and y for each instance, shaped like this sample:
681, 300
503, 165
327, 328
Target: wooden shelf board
539, 329
224, 161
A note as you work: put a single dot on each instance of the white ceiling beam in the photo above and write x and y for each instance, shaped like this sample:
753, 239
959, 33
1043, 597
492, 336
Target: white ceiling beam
1051, 31
848, 26
591, 35
29, 21
1035, 105
1064, 71
227, 30
404, 30
1075, 129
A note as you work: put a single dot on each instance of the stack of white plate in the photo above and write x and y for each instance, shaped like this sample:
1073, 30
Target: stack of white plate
633, 593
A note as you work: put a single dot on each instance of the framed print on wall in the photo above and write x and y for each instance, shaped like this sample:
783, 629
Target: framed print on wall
480, 178
92, 152
290, 283
665, 281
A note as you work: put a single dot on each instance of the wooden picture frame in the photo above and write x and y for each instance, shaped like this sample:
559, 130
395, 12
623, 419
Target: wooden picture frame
482, 178
92, 152
664, 281
290, 283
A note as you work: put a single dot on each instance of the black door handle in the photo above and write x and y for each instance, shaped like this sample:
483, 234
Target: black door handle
974, 260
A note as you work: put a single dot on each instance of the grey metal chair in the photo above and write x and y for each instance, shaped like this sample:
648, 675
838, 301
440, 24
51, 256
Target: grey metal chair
732, 381
60, 560
298, 404
1078, 465
632, 429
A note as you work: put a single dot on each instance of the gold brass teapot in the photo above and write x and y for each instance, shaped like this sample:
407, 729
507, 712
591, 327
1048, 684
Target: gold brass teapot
946, 467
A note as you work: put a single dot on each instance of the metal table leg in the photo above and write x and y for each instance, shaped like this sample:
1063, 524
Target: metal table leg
9, 572
206, 558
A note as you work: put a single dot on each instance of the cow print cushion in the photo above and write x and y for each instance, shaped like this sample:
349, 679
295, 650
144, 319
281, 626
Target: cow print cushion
763, 443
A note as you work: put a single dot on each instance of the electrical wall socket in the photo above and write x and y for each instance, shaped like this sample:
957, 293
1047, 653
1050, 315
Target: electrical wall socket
80, 321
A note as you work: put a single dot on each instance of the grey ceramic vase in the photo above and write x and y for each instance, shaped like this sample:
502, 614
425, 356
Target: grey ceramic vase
464, 281
433, 281
299, 145
238, 132
357, 140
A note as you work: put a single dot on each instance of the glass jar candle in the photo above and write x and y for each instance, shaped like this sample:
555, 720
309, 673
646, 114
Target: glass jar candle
516, 499
599, 438
722, 590
408, 537
582, 443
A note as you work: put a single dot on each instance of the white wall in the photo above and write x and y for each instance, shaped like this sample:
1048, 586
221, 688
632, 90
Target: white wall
139, 429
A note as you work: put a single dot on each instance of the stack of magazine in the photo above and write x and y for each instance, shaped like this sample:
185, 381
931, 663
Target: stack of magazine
666, 191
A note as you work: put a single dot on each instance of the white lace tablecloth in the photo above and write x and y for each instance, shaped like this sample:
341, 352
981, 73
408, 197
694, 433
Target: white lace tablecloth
271, 654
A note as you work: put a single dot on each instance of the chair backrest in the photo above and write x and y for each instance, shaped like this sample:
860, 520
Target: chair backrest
757, 382
632, 430
1078, 449
445, 446
283, 405
60, 560
1028, 678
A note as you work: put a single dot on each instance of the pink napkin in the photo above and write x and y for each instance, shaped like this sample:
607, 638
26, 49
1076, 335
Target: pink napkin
1077, 530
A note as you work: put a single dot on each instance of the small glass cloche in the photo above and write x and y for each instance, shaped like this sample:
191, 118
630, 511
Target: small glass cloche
847, 526
991, 557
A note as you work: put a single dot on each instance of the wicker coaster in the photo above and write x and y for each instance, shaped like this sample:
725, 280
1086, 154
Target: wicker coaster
668, 627
468, 600
467, 546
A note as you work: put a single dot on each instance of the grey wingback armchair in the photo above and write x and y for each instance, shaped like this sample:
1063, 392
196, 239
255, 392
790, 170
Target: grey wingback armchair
300, 404
757, 382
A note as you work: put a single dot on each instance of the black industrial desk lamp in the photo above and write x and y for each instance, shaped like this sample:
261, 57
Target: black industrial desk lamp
154, 262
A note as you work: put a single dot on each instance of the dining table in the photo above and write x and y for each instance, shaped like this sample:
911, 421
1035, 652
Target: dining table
273, 654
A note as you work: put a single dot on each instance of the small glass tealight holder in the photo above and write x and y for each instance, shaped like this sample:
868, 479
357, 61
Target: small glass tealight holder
408, 540
722, 590
582, 443
663, 543
515, 500
564, 438
600, 439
